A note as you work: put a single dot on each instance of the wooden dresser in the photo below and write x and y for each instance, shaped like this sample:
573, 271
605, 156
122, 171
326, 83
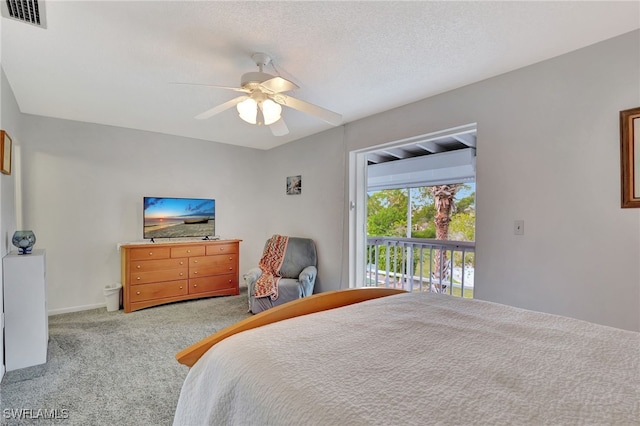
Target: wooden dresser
157, 273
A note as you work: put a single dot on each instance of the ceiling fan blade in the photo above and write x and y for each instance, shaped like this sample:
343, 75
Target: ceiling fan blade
237, 89
278, 84
222, 107
279, 128
322, 113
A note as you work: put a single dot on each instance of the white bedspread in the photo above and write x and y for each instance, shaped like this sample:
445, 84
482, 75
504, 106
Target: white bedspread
418, 359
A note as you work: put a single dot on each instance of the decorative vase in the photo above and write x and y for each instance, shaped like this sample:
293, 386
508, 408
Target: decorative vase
24, 240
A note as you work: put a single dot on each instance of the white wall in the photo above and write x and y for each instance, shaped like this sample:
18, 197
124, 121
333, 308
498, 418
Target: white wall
10, 122
2, 368
548, 153
579, 256
84, 184
318, 211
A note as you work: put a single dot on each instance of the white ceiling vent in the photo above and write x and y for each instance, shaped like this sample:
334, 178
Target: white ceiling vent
28, 11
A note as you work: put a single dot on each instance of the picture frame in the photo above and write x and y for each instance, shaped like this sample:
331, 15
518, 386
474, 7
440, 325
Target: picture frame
630, 157
294, 185
5, 152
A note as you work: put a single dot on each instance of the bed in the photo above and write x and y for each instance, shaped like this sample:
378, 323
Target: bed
391, 358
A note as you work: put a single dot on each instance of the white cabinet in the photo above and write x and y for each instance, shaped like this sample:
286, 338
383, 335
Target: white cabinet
26, 331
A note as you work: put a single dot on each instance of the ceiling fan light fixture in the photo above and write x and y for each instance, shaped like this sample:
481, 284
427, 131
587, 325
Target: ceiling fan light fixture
248, 111
271, 111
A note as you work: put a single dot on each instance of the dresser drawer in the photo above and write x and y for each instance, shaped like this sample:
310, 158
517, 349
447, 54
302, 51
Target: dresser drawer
158, 276
187, 251
206, 284
157, 265
149, 253
205, 271
222, 249
144, 292
205, 261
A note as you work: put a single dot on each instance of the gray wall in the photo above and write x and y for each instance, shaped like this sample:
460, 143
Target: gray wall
84, 184
548, 153
10, 122
318, 211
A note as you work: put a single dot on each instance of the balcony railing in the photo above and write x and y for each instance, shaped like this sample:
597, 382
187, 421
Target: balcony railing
419, 264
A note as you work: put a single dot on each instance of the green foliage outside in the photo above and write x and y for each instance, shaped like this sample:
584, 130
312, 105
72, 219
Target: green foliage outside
387, 214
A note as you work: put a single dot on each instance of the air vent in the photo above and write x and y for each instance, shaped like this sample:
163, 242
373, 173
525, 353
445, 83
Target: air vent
28, 11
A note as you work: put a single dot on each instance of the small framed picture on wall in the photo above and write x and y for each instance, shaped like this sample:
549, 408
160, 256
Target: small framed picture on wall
5, 153
294, 185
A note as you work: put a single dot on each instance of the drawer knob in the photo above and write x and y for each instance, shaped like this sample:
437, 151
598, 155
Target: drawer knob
231, 269
231, 258
195, 272
195, 285
180, 273
180, 287
138, 293
195, 261
229, 281
137, 278
138, 267
181, 262
188, 251
150, 253
221, 248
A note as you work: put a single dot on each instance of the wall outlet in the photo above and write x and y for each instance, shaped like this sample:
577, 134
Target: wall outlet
518, 227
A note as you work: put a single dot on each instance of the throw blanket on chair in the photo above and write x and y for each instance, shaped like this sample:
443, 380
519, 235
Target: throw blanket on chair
270, 264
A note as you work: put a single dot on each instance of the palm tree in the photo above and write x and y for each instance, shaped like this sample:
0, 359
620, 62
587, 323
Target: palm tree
443, 196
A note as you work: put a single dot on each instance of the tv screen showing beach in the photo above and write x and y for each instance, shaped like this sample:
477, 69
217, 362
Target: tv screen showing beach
179, 217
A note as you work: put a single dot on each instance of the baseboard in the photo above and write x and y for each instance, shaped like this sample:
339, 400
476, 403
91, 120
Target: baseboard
87, 307
1, 372
76, 309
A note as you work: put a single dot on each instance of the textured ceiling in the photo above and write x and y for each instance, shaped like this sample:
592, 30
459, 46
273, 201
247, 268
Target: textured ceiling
111, 62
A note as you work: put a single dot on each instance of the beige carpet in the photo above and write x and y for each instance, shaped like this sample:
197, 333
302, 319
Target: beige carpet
112, 368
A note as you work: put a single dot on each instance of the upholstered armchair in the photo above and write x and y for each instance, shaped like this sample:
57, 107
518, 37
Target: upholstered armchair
298, 275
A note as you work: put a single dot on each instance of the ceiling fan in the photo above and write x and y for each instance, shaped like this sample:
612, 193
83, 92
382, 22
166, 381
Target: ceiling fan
263, 97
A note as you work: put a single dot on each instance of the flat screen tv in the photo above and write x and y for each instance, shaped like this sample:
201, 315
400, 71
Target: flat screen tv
179, 217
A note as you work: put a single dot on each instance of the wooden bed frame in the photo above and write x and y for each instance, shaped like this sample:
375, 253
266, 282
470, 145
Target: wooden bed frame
308, 305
